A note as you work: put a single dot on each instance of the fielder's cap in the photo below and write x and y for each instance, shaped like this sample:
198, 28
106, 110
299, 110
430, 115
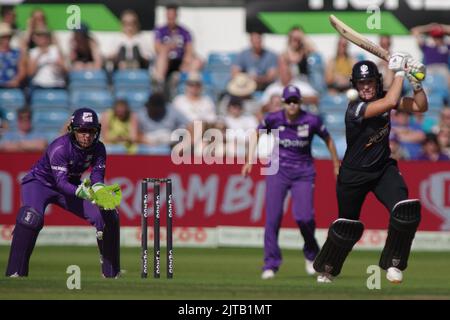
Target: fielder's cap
241, 85
437, 31
291, 92
5, 30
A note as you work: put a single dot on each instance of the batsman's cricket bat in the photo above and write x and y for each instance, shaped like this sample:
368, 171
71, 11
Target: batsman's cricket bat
364, 43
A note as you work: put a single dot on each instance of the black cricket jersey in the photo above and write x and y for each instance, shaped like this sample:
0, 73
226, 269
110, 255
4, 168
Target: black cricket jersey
367, 139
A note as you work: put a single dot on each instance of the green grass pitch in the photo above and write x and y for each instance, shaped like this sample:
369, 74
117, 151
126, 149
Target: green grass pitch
223, 273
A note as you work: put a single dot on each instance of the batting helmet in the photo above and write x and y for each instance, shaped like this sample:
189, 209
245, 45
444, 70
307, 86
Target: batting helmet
367, 70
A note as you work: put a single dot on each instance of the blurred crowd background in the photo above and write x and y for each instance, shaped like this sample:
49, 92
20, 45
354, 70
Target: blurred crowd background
145, 90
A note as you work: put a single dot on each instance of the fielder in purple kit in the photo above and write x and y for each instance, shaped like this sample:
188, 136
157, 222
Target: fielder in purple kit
56, 178
296, 172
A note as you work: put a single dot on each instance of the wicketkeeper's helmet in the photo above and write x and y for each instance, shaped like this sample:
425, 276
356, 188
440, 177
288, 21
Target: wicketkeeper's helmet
84, 118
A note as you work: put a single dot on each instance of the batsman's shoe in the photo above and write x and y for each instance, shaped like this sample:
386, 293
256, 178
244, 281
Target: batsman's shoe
268, 274
394, 275
309, 267
324, 278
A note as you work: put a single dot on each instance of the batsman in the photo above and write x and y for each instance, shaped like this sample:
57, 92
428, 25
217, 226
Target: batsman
368, 167
56, 179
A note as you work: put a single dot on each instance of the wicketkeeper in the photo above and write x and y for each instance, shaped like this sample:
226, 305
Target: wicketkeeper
56, 178
368, 167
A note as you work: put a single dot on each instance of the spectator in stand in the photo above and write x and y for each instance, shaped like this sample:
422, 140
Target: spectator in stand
158, 120
444, 120
239, 123
36, 21
241, 86
397, 152
296, 55
120, 126
12, 61
385, 43
426, 124
339, 69
84, 53
436, 51
258, 62
46, 66
130, 49
24, 138
410, 135
193, 104
432, 150
309, 95
275, 104
443, 138
174, 48
8, 16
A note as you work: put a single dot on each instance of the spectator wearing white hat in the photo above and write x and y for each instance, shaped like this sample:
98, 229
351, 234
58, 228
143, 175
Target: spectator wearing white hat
241, 86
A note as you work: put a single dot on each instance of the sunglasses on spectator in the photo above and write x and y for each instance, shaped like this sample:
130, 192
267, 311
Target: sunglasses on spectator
295, 101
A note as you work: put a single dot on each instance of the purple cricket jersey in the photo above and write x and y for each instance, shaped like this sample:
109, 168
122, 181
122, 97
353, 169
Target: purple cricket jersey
178, 36
63, 163
294, 137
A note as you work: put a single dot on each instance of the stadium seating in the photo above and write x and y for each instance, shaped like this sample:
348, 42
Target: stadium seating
131, 79
334, 119
221, 61
437, 84
46, 120
142, 149
316, 69
97, 99
49, 98
136, 98
50, 134
336, 102
94, 79
154, 150
435, 100
11, 99
219, 68
319, 149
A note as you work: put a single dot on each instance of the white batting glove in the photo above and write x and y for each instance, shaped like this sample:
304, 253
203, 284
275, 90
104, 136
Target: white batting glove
414, 67
398, 63
416, 84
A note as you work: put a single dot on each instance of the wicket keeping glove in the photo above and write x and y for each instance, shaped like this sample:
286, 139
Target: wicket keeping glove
83, 191
106, 197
